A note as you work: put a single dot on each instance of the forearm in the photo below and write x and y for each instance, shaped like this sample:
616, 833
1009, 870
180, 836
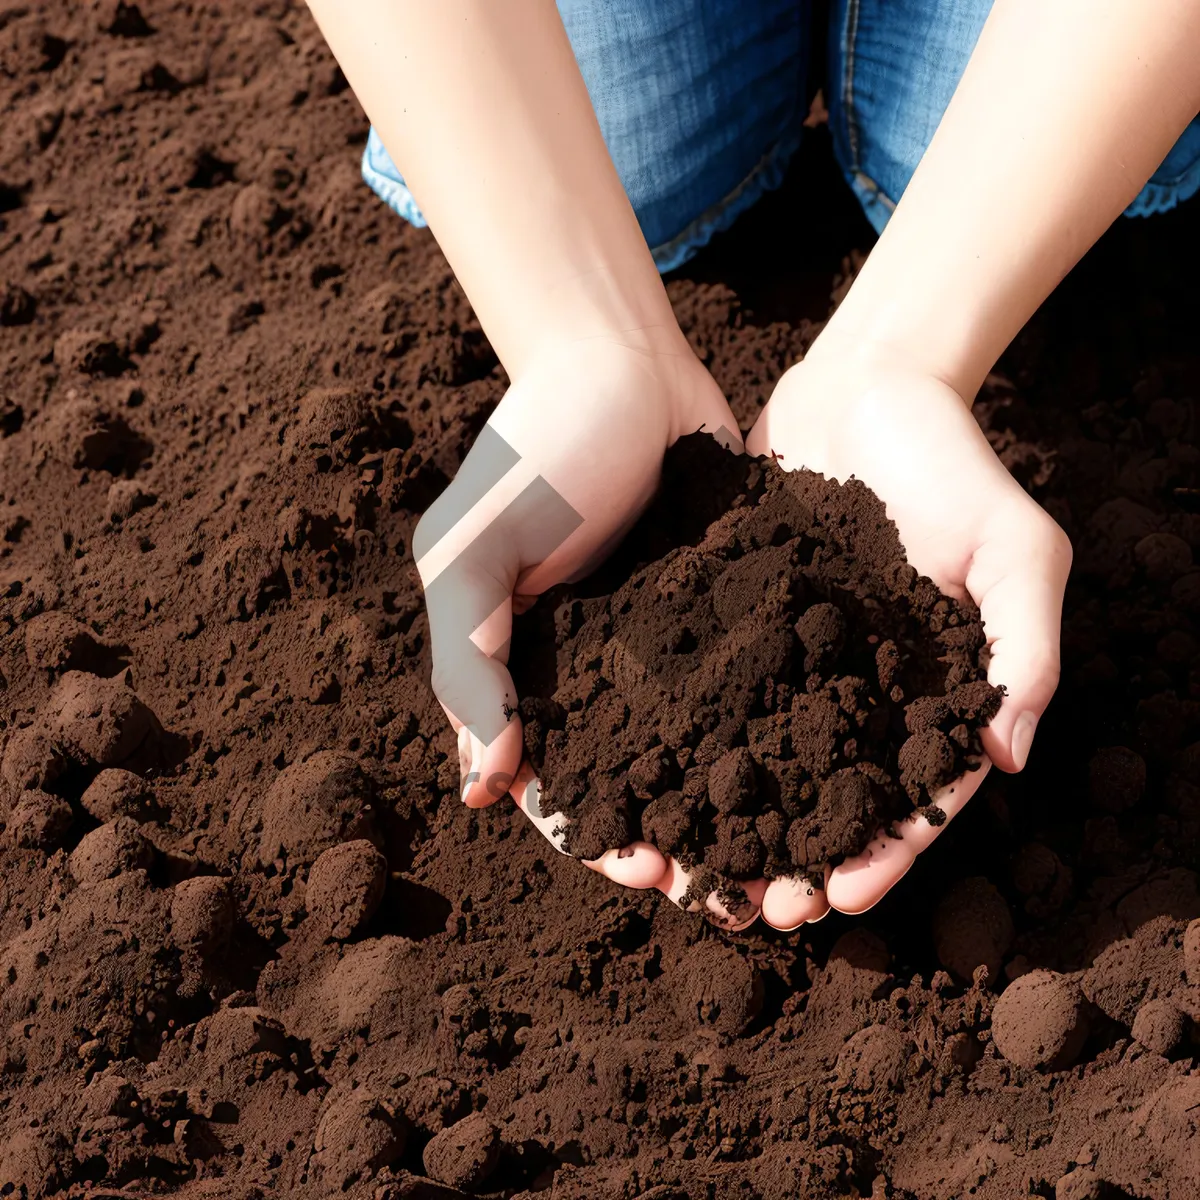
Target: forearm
1063, 113
484, 110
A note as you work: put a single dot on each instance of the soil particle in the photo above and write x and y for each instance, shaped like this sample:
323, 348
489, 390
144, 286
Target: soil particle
873, 1063
1081, 1184
973, 927
110, 850
357, 1136
721, 991
1116, 778
1039, 1021
39, 821
55, 641
100, 721
1160, 1026
202, 914
118, 793
345, 887
32, 758
314, 804
1191, 953
465, 1154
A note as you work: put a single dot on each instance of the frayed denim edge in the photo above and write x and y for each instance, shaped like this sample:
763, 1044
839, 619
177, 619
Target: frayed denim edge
1157, 198
393, 193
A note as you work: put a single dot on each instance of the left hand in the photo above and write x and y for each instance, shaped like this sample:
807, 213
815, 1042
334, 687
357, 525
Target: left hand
850, 409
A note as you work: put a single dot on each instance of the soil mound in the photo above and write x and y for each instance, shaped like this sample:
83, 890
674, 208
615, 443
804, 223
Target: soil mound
251, 942
762, 697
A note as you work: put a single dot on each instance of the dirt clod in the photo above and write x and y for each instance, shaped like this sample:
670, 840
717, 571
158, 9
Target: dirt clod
465, 1154
1039, 1021
345, 887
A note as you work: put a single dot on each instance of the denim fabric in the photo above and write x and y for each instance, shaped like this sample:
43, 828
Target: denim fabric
701, 103
893, 66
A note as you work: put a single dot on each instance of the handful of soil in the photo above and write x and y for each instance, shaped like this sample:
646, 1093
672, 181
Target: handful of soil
757, 682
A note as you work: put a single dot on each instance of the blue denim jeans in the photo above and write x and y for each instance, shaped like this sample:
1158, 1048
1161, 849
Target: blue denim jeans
702, 104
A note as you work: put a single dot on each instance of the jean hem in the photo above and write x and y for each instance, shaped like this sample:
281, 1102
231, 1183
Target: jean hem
1157, 198
766, 175
392, 192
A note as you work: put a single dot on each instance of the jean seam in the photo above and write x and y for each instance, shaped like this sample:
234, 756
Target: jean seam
850, 34
764, 176
864, 181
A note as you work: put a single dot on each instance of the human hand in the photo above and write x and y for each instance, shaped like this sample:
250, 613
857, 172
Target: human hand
849, 409
566, 463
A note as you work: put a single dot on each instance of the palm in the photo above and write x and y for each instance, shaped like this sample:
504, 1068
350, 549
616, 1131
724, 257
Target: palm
964, 522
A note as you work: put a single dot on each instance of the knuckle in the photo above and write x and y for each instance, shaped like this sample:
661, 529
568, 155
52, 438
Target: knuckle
1043, 666
1052, 540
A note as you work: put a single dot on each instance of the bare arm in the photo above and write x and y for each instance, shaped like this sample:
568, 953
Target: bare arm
483, 108
1063, 113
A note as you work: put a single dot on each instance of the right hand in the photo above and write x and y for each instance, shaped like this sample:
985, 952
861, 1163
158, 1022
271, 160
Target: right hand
567, 462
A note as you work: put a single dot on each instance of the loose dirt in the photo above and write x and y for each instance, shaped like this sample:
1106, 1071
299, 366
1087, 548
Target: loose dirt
763, 696
250, 941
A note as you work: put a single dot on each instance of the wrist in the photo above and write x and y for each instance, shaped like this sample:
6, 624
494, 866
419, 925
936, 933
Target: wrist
599, 305
882, 336
924, 298
683, 396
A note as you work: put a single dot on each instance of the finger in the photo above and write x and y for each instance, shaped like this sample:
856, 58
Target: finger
795, 901
861, 882
638, 865
1018, 580
526, 791
758, 440
674, 885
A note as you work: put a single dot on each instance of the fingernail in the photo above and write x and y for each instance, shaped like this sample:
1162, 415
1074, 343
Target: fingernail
1022, 738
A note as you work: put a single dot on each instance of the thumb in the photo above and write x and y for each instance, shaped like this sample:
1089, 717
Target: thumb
1017, 577
498, 517
470, 625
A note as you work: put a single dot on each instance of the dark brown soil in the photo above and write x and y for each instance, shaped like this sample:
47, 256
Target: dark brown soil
762, 697
230, 381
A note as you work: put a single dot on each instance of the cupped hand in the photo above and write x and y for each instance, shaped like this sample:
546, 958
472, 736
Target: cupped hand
852, 410
568, 460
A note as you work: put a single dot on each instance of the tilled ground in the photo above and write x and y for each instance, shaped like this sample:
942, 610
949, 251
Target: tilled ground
249, 940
